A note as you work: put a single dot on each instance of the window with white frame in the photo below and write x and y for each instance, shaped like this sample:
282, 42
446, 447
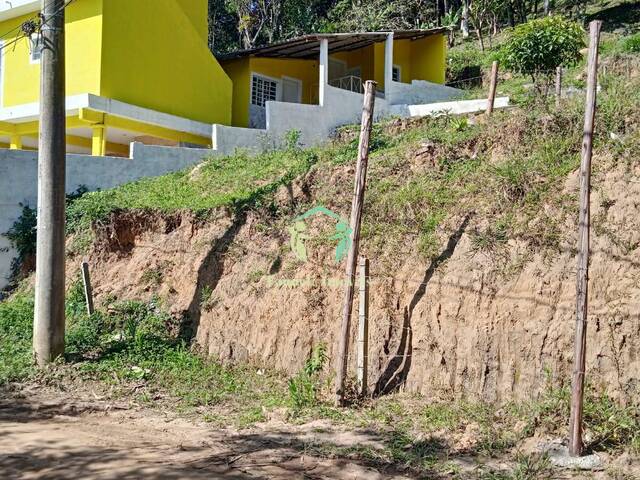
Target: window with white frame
263, 90
396, 74
35, 47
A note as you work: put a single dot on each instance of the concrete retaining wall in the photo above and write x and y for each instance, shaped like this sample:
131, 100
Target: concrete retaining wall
316, 123
19, 180
419, 92
454, 108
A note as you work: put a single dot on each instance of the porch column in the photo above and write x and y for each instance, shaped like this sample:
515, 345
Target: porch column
98, 140
324, 69
15, 143
388, 64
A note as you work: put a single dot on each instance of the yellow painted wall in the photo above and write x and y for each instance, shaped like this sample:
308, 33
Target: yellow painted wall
429, 58
363, 58
198, 13
423, 59
154, 57
21, 78
305, 70
240, 70
402, 58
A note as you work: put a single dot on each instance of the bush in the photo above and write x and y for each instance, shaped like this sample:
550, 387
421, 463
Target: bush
538, 47
631, 43
22, 236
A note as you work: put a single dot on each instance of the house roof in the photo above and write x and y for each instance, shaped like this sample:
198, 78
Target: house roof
308, 46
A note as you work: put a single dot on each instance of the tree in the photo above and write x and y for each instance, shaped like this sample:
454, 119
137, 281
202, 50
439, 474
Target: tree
538, 47
483, 13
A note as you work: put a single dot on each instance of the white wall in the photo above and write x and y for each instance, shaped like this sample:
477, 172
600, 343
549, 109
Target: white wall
226, 140
19, 174
420, 92
454, 108
316, 123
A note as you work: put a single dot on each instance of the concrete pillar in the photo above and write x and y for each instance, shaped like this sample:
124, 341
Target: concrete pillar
324, 69
388, 64
98, 140
16, 142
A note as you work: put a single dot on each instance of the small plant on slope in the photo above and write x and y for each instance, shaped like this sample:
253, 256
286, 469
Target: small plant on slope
303, 388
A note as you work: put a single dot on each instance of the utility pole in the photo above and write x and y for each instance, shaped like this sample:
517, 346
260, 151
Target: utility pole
582, 280
356, 217
48, 326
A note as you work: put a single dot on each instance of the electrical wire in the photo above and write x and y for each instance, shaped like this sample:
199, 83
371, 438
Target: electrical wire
33, 18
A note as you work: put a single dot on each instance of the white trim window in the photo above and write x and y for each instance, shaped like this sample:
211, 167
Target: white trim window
396, 73
263, 90
35, 48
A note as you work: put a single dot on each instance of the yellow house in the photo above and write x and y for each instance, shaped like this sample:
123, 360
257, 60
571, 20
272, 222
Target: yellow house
297, 70
136, 70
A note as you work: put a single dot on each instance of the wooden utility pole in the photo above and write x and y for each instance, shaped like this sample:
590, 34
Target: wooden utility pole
48, 334
582, 281
356, 217
363, 327
558, 85
492, 87
88, 291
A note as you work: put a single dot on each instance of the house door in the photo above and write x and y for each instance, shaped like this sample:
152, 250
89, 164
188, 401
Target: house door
291, 90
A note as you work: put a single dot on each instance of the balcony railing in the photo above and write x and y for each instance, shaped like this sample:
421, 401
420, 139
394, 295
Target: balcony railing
351, 83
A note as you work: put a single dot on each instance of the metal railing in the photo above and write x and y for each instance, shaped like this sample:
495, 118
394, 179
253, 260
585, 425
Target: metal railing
351, 83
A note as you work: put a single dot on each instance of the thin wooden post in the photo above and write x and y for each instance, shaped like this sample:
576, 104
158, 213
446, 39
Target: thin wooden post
356, 216
492, 87
558, 86
88, 292
582, 280
363, 326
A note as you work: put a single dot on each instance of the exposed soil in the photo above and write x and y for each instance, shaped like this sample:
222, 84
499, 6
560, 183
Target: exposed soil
494, 325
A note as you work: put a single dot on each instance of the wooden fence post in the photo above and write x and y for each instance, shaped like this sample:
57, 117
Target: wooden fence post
582, 280
356, 217
363, 327
88, 293
558, 86
492, 87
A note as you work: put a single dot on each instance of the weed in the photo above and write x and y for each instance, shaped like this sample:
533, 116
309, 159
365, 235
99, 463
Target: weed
255, 275
207, 299
292, 139
152, 276
303, 388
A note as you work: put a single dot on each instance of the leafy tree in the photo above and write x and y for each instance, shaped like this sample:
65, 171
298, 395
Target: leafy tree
538, 47
376, 15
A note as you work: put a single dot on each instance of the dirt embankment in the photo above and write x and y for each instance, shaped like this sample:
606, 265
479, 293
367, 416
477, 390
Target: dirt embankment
466, 324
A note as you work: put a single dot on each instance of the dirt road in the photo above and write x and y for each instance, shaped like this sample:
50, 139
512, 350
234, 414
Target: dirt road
49, 438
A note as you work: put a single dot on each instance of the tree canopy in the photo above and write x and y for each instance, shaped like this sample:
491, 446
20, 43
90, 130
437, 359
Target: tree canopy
241, 24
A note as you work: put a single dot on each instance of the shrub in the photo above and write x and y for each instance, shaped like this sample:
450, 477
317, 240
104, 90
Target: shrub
538, 47
22, 236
